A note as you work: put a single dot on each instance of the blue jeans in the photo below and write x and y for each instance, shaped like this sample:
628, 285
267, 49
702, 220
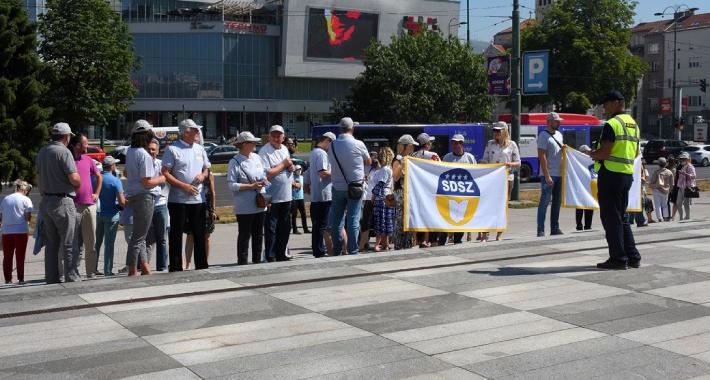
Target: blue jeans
106, 229
553, 191
337, 217
158, 233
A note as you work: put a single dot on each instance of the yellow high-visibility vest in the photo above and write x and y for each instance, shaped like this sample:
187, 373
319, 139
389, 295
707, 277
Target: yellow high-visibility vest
623, 152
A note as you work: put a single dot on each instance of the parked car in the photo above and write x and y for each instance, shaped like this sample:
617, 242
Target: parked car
222, 154
699, 155
655, 149
96, 153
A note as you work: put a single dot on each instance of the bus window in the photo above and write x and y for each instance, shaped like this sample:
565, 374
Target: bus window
595, 133
440, 145
574, 137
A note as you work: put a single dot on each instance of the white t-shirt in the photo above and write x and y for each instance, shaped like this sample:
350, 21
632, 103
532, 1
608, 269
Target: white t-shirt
496, 154
382, 175
14, 207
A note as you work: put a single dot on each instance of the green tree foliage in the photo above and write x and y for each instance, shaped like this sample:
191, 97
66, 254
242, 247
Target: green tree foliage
23, 122
419, 79
89, 57
589, 51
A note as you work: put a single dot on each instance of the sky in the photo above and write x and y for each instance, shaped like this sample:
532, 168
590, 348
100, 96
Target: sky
484, 23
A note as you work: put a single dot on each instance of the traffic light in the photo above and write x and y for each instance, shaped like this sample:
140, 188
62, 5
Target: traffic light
703, 85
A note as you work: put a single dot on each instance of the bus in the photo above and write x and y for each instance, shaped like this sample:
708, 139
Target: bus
576, 130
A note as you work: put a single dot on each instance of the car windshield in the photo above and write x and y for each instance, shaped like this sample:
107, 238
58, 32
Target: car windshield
653, 144
691, 148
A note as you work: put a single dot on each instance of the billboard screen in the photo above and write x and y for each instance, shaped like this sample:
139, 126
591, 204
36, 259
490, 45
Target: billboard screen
339, 33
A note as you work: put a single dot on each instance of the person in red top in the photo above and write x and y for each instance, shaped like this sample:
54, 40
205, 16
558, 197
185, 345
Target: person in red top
85, 202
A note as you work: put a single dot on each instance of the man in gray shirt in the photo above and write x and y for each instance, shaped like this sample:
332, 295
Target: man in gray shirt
348, 158
279, 172
549, 152
318, 184
58, 180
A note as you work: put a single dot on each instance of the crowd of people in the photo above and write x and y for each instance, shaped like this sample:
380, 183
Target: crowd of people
355, 195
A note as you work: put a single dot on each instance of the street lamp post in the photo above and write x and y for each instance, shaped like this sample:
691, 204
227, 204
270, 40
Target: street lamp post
676, 12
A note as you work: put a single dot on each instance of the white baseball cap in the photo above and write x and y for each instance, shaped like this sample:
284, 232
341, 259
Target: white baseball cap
247, 137
407, 140
458, 137
424, 138
188, 123
500, 125
277, 128
61, 129
141, 126
554, 116
347, 123
330, 135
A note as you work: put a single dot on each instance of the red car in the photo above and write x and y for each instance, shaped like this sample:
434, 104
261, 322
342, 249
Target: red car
96, 153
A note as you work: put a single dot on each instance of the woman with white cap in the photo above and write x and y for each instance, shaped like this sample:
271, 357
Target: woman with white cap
686, 179
246, 178
501, 150
405, 147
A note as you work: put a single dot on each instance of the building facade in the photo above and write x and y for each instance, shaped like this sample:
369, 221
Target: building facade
244, 65
655, 43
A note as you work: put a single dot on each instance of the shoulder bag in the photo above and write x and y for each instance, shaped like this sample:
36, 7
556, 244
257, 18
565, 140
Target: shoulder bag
355, 189
262, 199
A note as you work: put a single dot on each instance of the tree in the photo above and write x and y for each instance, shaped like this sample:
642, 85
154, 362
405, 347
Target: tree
23, 122
89, 57
589, 51
419, 79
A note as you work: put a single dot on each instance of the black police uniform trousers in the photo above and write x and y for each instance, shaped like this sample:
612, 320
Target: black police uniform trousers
613, 199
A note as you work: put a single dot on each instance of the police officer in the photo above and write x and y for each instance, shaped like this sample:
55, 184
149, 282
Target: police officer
58, 183
614, 156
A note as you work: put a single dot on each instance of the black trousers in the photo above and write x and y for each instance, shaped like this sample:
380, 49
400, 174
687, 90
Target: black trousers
613, 199
443, 236
588, 216
319, 219
250, 227
277, 229
194, 216
298, 205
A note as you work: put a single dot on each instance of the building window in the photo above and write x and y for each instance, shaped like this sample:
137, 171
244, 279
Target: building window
694, 63
695, 101
653, 48
654, 66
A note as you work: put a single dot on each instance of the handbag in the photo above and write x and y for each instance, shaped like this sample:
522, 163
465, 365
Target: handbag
389, 201
355, 189
691, 192
262, 199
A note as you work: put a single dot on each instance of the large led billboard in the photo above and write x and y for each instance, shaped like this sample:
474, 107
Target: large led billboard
339, 33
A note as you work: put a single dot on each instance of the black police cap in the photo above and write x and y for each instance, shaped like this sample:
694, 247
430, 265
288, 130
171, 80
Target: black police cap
612, 96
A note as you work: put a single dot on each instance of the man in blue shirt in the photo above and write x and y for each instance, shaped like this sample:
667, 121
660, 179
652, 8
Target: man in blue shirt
185, 167
112, 200
348, 157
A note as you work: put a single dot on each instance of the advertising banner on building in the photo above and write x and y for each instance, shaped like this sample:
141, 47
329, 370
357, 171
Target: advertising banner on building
666, 106
579, 182
454, 197
499, 75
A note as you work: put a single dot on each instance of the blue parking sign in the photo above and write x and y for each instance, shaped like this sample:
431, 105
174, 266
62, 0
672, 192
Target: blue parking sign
535, 72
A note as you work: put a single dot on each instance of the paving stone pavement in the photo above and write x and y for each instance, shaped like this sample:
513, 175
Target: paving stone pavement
523, 308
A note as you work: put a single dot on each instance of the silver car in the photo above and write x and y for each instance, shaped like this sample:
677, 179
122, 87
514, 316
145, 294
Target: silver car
699, 154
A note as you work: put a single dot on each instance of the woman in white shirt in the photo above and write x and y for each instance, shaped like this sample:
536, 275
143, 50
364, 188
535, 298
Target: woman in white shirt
501, 150
15, 215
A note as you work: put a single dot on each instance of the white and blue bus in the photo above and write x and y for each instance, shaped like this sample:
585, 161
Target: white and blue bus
576, 130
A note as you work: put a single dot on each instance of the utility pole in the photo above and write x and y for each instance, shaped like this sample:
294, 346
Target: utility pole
468, 24
515, 84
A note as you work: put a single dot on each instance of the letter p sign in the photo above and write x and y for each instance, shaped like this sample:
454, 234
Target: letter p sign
535, 73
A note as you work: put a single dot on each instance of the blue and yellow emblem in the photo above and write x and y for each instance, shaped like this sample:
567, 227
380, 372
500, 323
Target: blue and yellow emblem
457, 197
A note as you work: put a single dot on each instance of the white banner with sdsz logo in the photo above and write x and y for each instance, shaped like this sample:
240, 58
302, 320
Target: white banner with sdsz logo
454, 197
579, 182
